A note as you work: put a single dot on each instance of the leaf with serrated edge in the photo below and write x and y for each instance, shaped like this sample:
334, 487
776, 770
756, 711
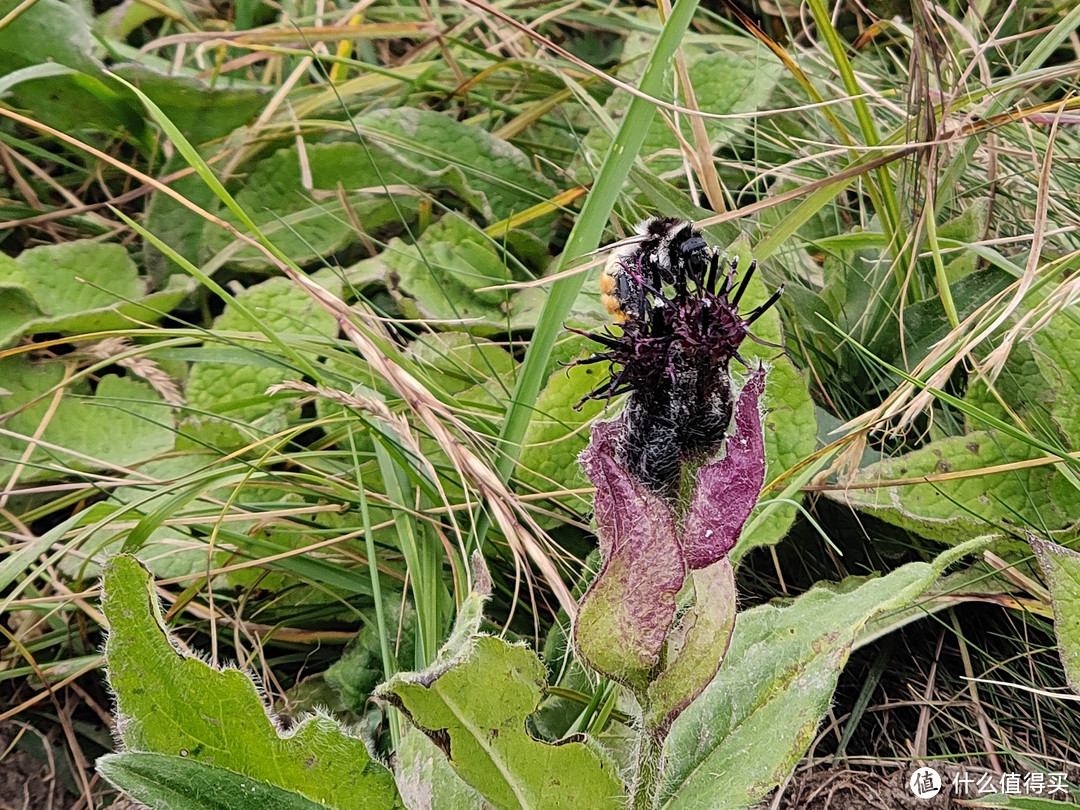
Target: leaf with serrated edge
473, 702
1061, 567
169, 703
958, 508
427, 781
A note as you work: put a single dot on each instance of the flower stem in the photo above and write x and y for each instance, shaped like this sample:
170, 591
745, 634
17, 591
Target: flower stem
650, 761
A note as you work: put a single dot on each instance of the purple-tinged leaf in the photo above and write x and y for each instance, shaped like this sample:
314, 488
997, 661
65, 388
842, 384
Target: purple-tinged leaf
696, 646
727, 490
625, 615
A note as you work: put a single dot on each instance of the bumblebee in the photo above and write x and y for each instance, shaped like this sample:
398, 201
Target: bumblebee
665, 250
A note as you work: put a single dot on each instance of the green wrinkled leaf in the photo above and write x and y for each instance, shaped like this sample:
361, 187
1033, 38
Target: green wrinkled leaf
200, 110
495, 177
174, 223
473, 703
438, 277
1061, 568
557, 433
124, 423
925, 322
306, 222
236, 391
738, 78
1057, 355
176, 783
460, 364
169, 703
956, 509
80, 286
72, 93
60, 28
745, 733
1038, 386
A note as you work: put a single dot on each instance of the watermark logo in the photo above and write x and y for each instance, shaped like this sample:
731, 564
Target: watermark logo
925, 783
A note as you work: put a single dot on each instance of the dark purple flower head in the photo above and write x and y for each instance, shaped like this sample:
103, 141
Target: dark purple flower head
679, 334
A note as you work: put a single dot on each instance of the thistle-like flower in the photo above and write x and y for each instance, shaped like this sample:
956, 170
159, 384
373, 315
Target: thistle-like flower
680, 328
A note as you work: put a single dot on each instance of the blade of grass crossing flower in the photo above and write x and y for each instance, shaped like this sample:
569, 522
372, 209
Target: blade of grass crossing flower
586, 234
884, 197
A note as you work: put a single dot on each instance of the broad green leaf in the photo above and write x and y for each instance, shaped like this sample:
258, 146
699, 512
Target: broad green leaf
742, 737
78, 276
460, 363
59, 28
495, 177
1061, 567
737, 78
238, 393
17, 307
80, 286
426, 780
558, 433
168, 487
59, 32
174, 223
307, 222
1038, 385
165, 782
438, 278
954, 509
200, 110
925, 322
1057, 353
473, 703
169, 703
125, 422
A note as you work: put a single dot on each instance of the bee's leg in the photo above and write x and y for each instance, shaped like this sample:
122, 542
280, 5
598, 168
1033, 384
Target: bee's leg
629, 289
603, 340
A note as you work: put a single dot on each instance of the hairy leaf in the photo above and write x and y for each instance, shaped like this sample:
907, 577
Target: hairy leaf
170, 703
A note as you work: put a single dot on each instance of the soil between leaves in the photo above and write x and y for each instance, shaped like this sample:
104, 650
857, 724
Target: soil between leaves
25, 781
